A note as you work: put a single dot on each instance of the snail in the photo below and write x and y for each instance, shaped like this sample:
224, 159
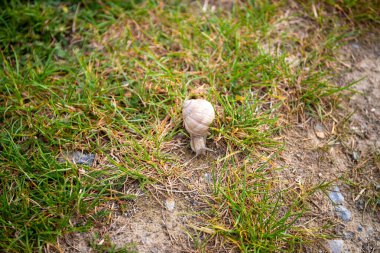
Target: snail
198, 114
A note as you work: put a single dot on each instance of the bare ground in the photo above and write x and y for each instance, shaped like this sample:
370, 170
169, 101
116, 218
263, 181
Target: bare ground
166, 219
344, 155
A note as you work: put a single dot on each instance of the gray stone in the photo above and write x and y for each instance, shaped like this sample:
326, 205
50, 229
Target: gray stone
336, 246
360, 228
355, 156
355, 45
170, 204
370, 232
348, 234
360, 204
78, 157
343, 212
335, 196
208, 177
319, 131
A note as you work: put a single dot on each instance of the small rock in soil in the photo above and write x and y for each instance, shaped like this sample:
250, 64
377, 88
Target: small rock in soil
170, 204
343, 213
336, 246
370, 232
335, 196
360, 204
348, 234
82, 158
78, 157
319, 131
208, 177
355, 45
360, 228
355, 156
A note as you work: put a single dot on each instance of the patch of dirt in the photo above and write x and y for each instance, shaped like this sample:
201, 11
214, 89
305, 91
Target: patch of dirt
336, 154
149, 223
152, 228
148, 226
365, 122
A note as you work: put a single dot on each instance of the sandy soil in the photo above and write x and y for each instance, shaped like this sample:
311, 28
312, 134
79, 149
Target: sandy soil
167, 219
310, 159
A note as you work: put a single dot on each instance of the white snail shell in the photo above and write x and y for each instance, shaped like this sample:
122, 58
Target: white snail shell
198, 114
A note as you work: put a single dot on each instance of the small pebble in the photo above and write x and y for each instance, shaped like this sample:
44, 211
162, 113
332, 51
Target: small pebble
360, 204
335, 196
343, 213
319, 131
360, 228
208, 177
348, 234
82, 158
355, 45
370, 232
336, 246
78, 157
355, 156
170, 204
378, 187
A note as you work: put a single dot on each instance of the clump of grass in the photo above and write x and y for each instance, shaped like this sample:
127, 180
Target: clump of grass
246, 122
105, 245
253, 213
40, 195
362, 179
258, 218
357, 12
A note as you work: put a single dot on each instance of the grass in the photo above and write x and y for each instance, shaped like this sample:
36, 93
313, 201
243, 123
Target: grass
362, 180
362, 14
260, 221
110, 77
107, 246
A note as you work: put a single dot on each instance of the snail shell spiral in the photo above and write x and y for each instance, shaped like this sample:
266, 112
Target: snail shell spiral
198, 114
